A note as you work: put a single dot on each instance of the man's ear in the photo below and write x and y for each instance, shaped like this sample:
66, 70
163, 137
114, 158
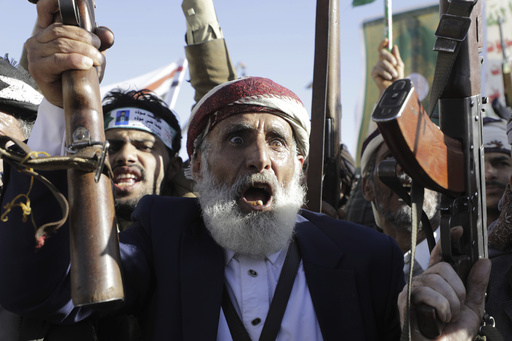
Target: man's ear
301, 159
367, 189
196, 165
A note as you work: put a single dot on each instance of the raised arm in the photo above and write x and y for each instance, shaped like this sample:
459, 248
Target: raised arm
206, 50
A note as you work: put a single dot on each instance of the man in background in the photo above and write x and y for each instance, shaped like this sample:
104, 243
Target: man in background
18, 109
498, 164
392, 215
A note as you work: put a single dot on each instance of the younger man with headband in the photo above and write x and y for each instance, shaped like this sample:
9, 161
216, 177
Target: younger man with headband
144, 137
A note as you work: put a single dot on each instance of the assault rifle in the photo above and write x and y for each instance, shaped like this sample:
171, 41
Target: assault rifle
323, 174
449, 160
95, 265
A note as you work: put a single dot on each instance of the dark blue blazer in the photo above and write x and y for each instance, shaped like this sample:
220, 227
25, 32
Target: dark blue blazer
173, 272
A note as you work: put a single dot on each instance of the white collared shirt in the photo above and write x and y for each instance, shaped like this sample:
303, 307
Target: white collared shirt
421, 257
251, 284
49, 130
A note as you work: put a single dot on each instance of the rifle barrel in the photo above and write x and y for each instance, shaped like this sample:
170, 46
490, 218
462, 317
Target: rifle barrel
95, 260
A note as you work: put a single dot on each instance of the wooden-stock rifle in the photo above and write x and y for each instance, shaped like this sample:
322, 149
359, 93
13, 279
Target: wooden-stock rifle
323, 174
449, 160
95, 261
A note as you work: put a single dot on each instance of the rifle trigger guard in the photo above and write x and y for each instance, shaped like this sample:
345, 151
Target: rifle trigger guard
101, 162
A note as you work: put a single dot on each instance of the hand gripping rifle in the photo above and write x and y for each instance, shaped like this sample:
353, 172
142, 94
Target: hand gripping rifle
95, 264
323, 174
449, 160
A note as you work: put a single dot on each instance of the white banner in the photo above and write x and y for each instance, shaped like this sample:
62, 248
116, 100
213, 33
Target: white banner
165, 82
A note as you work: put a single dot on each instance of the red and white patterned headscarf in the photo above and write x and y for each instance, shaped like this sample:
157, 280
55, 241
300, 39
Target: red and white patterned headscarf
248, 94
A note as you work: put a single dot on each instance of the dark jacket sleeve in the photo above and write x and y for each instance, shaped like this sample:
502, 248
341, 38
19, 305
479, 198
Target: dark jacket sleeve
38, 279
34, 281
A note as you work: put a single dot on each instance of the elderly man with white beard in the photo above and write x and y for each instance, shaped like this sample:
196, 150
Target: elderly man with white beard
392, 215
276, 272
245, 261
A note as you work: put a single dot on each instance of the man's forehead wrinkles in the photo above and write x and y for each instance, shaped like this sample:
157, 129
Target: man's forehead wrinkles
268, 127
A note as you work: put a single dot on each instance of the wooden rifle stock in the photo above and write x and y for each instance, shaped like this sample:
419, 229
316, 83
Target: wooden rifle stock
323, 174
449, 160
95, 261
418, 145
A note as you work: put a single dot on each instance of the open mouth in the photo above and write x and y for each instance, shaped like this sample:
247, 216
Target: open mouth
257, 196
126, 176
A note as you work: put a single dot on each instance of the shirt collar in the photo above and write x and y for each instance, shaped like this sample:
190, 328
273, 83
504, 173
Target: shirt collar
422, 256
230, 254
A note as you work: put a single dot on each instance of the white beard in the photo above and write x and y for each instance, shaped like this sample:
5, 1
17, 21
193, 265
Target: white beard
256, 234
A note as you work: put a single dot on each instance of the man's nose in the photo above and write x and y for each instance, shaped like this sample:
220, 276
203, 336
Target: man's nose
125, 155
258, 158
489, 171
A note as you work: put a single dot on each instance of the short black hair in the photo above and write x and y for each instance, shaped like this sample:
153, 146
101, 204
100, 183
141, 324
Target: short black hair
147, 100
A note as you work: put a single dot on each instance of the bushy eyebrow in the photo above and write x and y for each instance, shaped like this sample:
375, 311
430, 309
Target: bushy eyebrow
238, 128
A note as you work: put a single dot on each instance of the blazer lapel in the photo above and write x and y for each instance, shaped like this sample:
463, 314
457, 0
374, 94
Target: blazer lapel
202, 280
333, 290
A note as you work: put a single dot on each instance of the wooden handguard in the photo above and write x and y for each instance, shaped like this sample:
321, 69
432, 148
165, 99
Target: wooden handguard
419, 146
95, 261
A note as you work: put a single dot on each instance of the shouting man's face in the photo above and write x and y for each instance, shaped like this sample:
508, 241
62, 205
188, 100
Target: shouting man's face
249, 183
141, 165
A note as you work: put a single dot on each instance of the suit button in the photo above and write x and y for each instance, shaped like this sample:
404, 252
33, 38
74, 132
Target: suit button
252, 273
256, 321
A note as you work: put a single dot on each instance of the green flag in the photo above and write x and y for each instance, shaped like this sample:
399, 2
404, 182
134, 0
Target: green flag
413, 32
361, 2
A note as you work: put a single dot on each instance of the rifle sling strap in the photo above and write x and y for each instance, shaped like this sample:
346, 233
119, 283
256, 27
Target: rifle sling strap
417, 192
451, 32
386, 171
277, 306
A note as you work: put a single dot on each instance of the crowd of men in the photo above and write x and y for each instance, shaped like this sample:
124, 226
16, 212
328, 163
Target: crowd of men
224, 248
